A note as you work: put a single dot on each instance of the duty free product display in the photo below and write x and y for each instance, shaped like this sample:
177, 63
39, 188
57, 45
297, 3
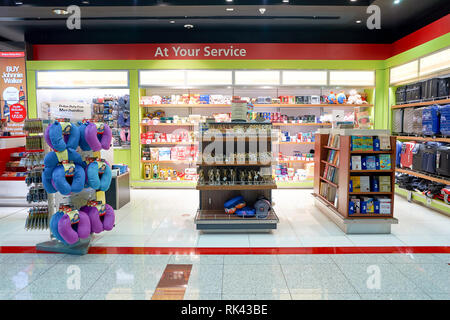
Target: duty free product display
235, 195
430, 89
114, 111
68, 173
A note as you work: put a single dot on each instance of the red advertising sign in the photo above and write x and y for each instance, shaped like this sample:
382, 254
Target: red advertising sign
13, 86
17, 112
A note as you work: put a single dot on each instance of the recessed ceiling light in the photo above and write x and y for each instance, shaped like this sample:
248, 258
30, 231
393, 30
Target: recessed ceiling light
85, 2
229, 0
397, 1
19, 3
60, 11
188, 26
230, 9
172, 21
262, 10
358, 21
286, 1
353, 0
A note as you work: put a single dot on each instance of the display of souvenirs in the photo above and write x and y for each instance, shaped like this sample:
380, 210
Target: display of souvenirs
232, 176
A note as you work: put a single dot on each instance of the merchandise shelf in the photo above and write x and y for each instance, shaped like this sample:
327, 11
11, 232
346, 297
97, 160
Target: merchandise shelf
443, 180
237, 187
279, 124
412, 138
269, 105
421, 104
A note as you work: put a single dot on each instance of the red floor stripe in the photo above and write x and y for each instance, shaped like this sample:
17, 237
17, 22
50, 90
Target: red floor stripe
225, 251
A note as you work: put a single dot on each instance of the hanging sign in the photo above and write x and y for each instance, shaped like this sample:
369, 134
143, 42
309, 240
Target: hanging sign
69, 109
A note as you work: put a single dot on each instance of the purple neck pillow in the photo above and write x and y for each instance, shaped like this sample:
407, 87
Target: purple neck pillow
59, 140
71, 233
100, 223
98, 140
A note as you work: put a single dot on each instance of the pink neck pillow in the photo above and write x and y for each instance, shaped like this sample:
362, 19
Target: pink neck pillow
71, 233
100, 223
99, 138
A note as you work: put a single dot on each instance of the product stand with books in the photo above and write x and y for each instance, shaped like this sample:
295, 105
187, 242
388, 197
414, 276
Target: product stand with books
354, 178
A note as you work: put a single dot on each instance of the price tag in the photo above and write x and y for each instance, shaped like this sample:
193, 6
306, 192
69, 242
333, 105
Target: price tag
100, 127
429, 201
66, 128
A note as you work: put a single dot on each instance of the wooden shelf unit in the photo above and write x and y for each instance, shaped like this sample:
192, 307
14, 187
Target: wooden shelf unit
421, 104
211, 215
343, 194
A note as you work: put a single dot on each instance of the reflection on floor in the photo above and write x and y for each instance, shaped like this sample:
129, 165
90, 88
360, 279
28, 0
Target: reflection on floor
227, 277
164, 218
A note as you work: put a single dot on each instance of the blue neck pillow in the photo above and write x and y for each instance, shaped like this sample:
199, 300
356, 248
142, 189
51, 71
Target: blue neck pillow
97, 180
47, 180
68, 185
83, 143
60, 141
52, 159
54, 226
124, 121
96, 140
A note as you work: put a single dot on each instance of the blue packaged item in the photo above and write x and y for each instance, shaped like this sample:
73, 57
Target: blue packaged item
376, 144
232, 205
204, 99
351, 207
374, 184
398, 153
376, 205
364, 163
430, 120
245, 212
363, 207
350, 189
445, 120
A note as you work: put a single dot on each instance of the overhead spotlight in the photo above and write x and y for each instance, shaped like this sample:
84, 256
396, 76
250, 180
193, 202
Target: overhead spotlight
229, 0
358, 21
18, 3
397, 1
189, 26
172, 21
353, 0
60, 11
230, 9
85, 2
262, 10
286, 1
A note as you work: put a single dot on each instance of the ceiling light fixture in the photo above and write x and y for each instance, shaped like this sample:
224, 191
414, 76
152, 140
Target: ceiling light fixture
358, 21
172, 21
230, 9
85, 2
19, 3
262, 10
60, 11
188, 26
397, 1
286, 1
353, 0
229, 0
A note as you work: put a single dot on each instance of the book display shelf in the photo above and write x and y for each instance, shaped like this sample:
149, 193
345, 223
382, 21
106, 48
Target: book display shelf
354, 178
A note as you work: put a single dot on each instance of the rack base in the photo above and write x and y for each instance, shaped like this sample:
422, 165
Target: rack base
355, 225
79, 248
215, 221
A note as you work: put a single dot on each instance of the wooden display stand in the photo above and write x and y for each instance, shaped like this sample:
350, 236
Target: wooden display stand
211, 216
352, 223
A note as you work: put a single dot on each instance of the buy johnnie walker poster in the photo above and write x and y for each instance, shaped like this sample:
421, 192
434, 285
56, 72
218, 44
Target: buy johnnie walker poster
13, 100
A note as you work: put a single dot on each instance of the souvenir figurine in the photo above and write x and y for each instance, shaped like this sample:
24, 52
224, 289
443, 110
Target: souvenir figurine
232, 176
250, 177
256, 177
210, 176
242, 176
225, 176
201, 177
217, 176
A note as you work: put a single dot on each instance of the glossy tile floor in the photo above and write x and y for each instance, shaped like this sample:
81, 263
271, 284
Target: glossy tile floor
228, 277
157, 218
165, 218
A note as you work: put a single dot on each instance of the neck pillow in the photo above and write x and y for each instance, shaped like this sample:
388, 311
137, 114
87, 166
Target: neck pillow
47, 181
54, 226
100, 223
60, 137
71, 233
124, 119
66, 185
52, 159
233, 204
83, 143
125, 134
97, 140
245, 212
98, 178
